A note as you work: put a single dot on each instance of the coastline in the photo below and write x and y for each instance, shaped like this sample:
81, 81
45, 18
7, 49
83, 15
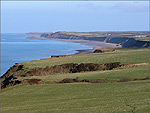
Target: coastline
93, 44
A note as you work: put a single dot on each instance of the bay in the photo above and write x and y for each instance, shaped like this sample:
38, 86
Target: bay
16, 48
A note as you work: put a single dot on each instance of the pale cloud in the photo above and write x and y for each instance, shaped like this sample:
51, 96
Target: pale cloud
132, 7
91, 6
117, 6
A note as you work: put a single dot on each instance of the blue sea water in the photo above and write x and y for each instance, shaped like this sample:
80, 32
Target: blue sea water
16, 48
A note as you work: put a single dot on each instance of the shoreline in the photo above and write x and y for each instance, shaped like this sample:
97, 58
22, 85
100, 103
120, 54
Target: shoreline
93, 44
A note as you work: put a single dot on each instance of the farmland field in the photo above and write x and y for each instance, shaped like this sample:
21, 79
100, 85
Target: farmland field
81, 97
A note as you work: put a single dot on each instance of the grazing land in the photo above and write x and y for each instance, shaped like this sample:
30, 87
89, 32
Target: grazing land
122, 89
81, 97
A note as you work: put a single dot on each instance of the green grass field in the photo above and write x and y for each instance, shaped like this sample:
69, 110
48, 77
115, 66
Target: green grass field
111, 96
110, 75
81, 97
125, 57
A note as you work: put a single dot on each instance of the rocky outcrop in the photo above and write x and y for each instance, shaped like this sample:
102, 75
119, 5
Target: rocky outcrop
16, 70
10, 77
9, 81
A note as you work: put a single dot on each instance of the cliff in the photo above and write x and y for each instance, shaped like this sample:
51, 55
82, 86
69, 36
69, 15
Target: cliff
124, 41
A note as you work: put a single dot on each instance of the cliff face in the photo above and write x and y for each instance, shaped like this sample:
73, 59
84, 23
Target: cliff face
10, 77
123, 41
129, 42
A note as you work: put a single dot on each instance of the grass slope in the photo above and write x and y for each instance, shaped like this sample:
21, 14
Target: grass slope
125, 57
109, 75
83, 98
114, 97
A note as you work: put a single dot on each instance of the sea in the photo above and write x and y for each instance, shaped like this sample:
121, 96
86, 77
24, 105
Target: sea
16, 48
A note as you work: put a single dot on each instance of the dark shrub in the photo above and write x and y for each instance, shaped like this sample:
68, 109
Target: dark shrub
98, 51
84, 80
146, 78
32, 81
70, 80
67, 80
23, 75
125, 79
103, 50
109, 66
95, 81
64, 68
54, 56
76, 79
59, 56
20, 67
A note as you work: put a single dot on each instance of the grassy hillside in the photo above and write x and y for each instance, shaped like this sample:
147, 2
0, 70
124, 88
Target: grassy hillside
83, 98
108, 75
108, 96
125, 57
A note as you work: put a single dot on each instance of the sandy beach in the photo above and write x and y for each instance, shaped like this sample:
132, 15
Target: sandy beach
93, 44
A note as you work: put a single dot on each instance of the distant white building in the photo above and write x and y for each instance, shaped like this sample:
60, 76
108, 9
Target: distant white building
141, 36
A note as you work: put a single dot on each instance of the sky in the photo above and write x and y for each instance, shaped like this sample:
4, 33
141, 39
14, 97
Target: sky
78, 16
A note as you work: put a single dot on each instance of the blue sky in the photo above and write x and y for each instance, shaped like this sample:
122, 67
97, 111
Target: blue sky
82, 16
